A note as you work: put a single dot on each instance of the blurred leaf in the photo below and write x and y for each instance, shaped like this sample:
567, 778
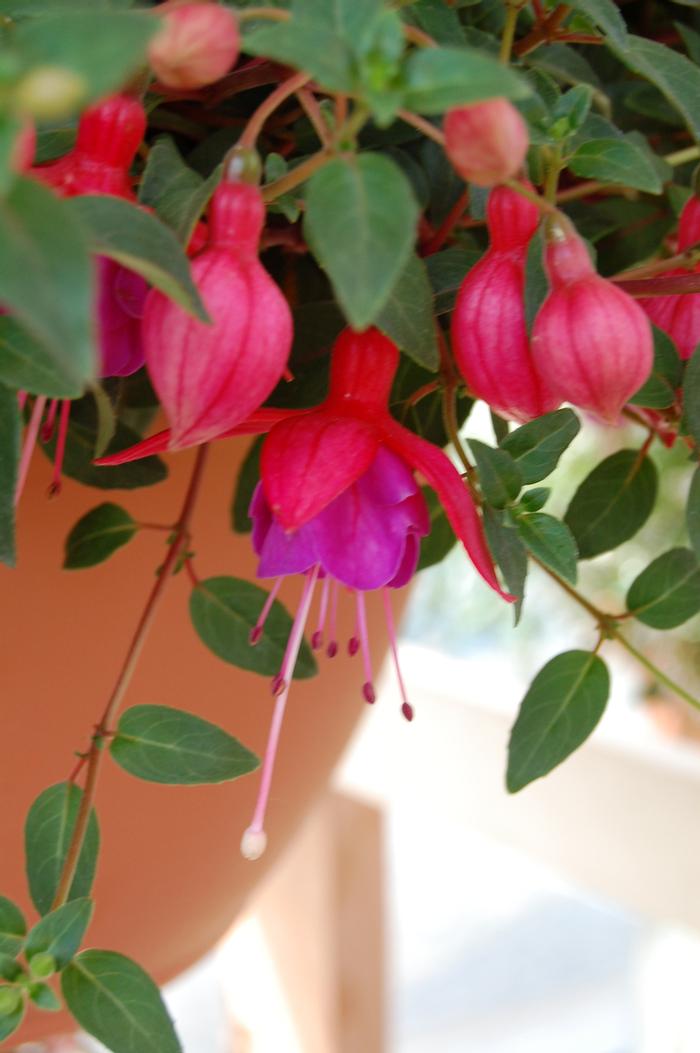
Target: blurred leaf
407, 316
672, 73
667, 592
98, 534
612, 503
10, 438
446, 271
178, 194
615, 161
691, 395
563, 704
47, 834
692, 518
13, 927
60, 932
606, 16
439, 78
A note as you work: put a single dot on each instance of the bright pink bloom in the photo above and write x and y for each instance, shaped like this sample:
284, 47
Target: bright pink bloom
590, 339
198, 44
679, 316
486, 142
489, 332
211, 377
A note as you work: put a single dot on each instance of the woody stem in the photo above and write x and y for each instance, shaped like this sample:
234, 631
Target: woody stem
94, 756
269, 105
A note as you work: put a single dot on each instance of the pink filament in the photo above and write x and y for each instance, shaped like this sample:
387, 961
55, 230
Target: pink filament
406, 707
332, 648
257, 630
367, 687
29, 444
317, 637
47, 428
55, 487
288, 662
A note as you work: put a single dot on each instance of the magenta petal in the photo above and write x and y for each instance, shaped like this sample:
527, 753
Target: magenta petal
280, 552
357, 541
388, 480
408, 564
121, 297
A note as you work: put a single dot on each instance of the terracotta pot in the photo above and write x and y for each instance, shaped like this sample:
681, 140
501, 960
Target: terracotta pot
170, 877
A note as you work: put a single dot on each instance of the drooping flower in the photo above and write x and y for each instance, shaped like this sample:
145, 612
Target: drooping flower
489, 331
210, 377
197, 44
486, 142
679, 315
590, 339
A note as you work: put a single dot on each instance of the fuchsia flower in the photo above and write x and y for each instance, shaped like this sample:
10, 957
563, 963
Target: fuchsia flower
489, 332
590, 339
486, 141
210, 377
679, 316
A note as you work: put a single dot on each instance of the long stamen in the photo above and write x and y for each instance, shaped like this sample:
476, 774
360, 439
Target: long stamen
29, 444
317, 636
254, 839
354, 641
406, 707
61, 438
368, 687
257, 630
332, 648
47, 427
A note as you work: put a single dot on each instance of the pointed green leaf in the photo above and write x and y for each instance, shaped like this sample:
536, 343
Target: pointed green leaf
360, 223
612, 503
673, 74
13, 927
537, 446
47, 834
551, 542
615, 161
141, 242
606, 16
499, 476
26, 364
9, 456
407, 316
60, 933
98, 534
438, 78
225, 610
43, 998
177, 193
166, 745
509, 553
667, 592
563, 704
13, 1014
114, 1000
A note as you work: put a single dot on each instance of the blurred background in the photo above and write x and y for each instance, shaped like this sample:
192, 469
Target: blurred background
422, 909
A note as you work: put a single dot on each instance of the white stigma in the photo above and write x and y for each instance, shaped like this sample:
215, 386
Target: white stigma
253, 843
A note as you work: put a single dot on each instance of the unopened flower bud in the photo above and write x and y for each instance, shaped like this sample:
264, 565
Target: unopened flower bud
590, 339
49, 93
197, 45
486, 142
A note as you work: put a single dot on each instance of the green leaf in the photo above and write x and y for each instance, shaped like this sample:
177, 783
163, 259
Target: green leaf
139, 241
537, 446
26, 364
47, 834
563, 704
248, 478
360, 224
659, 391
667, 592
225, 610
43, 998
407, 316
9, 1022
439, 78
177, 193
12, 927
80, 450
104, 47
114, 1000
612, 503
10, 968
98, 534
692, 516
672, 73
551, 542
606, 16
499, 476
60, 933
510, 555
615, 161
165, 745
46, 279
308, 44
447, 271
441, 539
691, 395
535, 499
10, 438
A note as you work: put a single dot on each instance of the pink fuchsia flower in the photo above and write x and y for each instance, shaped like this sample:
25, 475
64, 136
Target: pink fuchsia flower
197, 45
590, 339
486, 142
679, 316
211, 377
489, 331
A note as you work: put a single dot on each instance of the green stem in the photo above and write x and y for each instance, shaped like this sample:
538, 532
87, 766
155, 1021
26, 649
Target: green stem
681, 157
552, 180
295, 176
544, 206
512, 11
655, 671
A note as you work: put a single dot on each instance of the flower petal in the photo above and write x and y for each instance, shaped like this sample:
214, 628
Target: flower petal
459, 506
157, 443
308, 461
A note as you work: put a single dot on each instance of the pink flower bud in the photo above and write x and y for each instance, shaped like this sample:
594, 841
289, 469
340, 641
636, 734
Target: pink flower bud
198, 44
489, 333
679, 316
590, 339
210, 377
487, 142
